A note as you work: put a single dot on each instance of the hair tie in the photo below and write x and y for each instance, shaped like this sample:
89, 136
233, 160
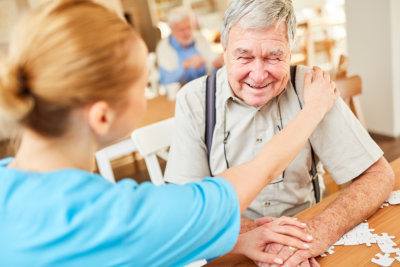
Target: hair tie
23, 88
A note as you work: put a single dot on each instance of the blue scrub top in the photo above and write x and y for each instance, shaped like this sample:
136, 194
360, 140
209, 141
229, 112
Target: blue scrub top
75, 218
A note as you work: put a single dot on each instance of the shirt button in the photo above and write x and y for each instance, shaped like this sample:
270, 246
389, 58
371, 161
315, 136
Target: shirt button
259, 140
267, 203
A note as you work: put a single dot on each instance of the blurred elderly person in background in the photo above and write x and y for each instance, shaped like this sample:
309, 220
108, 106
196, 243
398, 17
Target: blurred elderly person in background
184, 55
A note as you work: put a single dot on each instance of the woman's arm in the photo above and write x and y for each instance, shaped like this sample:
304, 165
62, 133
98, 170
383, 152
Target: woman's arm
250, 178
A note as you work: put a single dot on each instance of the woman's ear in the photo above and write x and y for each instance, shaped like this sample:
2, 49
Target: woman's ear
100, 118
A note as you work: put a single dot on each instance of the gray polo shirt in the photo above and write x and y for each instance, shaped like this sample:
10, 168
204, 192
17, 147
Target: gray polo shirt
341, 143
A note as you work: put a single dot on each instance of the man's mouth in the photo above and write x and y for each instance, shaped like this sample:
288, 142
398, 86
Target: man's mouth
257, 86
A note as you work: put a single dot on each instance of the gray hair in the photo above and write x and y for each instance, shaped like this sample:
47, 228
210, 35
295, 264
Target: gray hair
259, 15
178, 14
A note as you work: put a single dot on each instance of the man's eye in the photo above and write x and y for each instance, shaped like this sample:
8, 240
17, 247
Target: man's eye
273, 60
244, 59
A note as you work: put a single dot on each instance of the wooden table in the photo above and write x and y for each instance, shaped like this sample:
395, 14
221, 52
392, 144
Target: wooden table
158, 108
385, 220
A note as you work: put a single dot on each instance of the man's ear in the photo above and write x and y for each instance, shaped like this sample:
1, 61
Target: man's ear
224, 53
100, 117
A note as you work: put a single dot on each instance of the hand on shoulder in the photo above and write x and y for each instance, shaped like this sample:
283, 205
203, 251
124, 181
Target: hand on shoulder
319, 93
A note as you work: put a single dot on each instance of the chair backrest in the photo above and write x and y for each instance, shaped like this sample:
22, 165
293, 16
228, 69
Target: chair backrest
342, 67
105, 155
350, 88
150, 141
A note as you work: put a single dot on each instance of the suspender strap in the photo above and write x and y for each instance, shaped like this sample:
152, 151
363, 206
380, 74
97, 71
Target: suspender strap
293, 70
313, 172
314, 177
210, 114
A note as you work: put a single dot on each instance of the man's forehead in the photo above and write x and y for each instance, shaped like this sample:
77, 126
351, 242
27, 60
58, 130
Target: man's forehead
238, 31
273, 51
183, 23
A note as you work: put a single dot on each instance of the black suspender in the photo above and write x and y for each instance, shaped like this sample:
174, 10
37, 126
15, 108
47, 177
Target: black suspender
210, 114
313, 172
210, 125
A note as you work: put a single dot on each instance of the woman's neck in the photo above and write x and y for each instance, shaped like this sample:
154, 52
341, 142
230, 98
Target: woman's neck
41, 154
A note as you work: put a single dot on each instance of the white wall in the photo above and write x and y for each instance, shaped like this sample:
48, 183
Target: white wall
395, 29
299, 4
373, 36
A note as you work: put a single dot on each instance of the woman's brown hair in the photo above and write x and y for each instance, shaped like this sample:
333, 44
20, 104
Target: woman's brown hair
64, 55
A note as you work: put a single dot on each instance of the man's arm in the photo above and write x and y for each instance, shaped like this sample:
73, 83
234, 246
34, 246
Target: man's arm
168, 64
356, 203
174, 76
214, 60
187, 160
246, 225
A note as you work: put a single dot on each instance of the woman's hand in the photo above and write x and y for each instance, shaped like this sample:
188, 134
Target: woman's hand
285, 230
319, 93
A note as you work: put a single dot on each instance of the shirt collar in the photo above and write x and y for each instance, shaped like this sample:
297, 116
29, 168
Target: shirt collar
177, 45
226, 92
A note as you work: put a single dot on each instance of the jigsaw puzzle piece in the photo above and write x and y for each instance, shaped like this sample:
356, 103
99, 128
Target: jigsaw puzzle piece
383, 260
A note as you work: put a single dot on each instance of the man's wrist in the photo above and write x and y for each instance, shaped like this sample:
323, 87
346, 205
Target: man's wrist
246, 225
185, 64
323, 231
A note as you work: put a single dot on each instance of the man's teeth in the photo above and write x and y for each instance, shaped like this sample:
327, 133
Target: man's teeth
257, 86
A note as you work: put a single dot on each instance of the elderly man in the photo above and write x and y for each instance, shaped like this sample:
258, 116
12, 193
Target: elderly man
254, 99
185, 55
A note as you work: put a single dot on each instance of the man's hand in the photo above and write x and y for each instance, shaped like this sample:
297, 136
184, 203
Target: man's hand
353, 205
303, 257
195, 62
285, 230
248, 225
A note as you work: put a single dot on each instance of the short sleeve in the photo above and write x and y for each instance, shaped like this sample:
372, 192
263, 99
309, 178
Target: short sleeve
187, 159
343, 145
340, 141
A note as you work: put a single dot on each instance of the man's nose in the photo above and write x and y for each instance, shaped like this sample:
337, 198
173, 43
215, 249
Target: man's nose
259, 72
187, 33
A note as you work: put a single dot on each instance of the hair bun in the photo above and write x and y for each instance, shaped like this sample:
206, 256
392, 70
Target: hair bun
16, 100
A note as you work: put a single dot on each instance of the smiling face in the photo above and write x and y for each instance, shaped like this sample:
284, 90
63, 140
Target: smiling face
257, 62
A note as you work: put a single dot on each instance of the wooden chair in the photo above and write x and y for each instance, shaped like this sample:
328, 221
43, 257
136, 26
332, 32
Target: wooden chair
300, 54
343, 64
159, 108
308, 47
150, 141
350, 88
105, 155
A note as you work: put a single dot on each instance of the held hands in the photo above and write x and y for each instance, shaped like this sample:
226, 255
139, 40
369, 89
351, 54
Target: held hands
321, 93
303, 258
195, 62
285, 230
